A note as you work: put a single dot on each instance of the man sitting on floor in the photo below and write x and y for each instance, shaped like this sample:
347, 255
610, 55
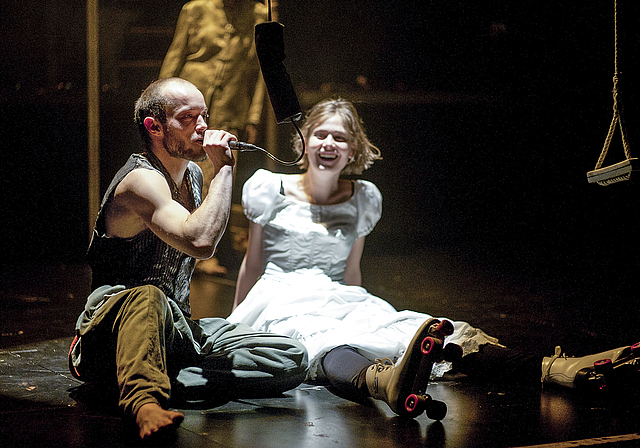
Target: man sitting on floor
152, 225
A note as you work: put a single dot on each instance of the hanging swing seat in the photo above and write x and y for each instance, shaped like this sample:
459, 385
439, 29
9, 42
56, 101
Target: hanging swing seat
620, 171
614, 173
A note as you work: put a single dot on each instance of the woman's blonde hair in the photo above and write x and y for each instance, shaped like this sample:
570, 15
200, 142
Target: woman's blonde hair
363, 151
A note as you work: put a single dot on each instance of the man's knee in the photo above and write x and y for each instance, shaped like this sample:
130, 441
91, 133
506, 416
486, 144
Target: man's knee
301, 355
148, 292
292, 353
149, 296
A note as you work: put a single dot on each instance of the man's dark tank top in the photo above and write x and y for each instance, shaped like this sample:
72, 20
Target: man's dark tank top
143, 259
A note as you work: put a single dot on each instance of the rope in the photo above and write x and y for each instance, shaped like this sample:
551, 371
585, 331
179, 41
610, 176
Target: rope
617, 118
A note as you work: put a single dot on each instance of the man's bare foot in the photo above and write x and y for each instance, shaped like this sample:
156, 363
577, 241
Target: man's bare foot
151, 418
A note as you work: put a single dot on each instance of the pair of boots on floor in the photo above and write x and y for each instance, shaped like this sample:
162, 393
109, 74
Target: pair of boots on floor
391, 382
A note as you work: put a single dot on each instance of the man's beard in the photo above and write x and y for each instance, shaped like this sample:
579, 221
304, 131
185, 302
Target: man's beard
177, 148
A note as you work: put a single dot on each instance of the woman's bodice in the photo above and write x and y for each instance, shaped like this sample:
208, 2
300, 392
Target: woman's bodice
298, 235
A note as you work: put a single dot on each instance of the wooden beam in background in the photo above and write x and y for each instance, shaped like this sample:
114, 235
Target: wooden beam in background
93, 111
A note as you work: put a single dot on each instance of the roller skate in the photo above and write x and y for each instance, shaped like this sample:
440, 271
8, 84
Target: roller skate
609, 371
403, 385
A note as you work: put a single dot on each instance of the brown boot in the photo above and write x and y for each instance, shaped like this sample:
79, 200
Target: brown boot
393, 383
592, 370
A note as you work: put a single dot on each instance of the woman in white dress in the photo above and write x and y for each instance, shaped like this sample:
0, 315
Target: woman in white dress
301, 273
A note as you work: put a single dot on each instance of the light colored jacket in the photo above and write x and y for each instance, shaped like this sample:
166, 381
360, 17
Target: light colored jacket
214, 48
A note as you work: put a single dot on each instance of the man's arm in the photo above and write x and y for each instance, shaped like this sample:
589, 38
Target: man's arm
143, 199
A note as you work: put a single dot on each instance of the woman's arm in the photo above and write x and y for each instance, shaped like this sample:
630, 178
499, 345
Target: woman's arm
352, 274
251, 267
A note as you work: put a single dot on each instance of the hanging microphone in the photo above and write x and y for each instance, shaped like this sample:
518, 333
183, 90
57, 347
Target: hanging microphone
269, 38
242, 146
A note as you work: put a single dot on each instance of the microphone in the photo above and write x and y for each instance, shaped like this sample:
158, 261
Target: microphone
242, 146
269, 38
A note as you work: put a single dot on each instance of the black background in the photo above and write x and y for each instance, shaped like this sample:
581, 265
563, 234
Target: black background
488, 114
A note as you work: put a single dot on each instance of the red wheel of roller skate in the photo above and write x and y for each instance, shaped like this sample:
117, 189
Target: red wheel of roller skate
446, 327
602, 364
411, 403
603, 368
436, 410
427, 345
414, 405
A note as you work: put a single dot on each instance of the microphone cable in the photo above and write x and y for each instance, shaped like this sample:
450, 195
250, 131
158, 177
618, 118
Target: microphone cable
248, 147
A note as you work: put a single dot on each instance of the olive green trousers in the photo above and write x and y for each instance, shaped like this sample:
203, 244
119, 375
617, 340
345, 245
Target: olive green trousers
139, 339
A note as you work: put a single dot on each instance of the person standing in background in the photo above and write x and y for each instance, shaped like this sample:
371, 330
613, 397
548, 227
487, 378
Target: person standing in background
214, 48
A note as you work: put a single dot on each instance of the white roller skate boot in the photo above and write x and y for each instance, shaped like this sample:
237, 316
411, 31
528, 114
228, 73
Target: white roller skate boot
402, 386
601, 371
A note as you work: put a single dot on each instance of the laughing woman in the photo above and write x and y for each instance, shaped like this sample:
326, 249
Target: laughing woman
301, 274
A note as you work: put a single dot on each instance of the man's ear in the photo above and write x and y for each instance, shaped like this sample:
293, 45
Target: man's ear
153, 126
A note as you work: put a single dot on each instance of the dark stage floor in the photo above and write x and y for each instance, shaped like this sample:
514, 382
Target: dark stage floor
43, 405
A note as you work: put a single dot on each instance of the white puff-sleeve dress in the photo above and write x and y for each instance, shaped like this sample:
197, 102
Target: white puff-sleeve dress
302, 294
